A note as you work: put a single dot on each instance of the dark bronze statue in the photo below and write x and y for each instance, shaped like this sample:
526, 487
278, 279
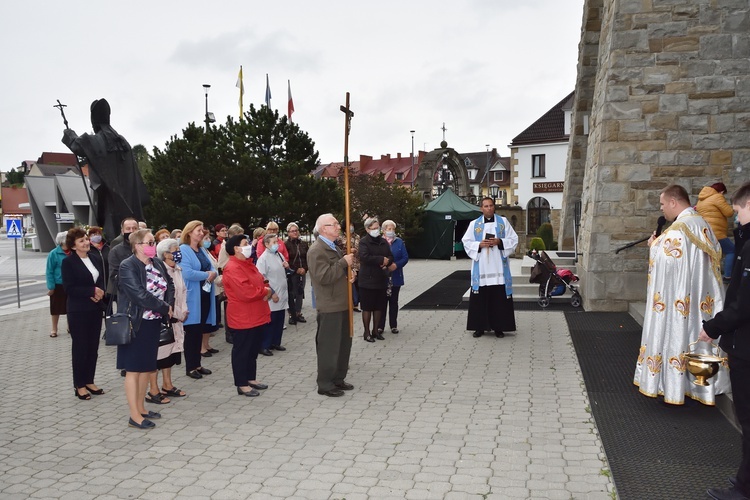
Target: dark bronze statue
113, 173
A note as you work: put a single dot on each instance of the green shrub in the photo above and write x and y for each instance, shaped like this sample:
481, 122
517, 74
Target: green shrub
537, 244
545, 233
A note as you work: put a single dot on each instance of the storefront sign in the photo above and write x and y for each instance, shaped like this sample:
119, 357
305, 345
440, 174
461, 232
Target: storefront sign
548, 187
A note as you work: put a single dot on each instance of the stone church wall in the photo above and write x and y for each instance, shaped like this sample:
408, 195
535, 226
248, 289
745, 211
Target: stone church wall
665, 87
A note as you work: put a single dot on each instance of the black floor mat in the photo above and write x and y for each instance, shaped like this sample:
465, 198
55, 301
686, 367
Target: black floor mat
448, 293
655, 450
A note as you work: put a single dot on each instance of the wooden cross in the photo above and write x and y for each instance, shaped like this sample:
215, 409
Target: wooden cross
348, 115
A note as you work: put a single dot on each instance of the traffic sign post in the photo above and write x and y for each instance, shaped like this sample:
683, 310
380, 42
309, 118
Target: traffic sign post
14, 231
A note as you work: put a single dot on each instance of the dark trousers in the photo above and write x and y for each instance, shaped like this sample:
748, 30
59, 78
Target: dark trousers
85, 331
245, 353
333, 346
274, 330
491, 309
391, 307
194, 335
296, 285
192, 346
739, 375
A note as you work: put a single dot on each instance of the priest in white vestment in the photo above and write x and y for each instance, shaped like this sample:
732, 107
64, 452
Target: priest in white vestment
684, 289
489, 241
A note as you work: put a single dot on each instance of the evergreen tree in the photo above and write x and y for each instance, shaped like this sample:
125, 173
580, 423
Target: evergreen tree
372, 195
248, 171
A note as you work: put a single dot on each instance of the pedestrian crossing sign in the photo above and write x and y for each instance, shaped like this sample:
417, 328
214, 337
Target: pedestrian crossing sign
14, 228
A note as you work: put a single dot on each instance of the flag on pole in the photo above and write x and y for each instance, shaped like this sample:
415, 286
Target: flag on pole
290, 105
240, 85
268, 93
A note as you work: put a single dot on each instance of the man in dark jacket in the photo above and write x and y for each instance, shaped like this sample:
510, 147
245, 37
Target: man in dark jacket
120, 252
733, 325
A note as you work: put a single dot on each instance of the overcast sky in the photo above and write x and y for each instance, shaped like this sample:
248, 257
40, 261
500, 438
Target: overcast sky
487, 68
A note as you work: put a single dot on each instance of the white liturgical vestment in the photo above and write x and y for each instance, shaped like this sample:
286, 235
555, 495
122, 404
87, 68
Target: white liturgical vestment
684, 289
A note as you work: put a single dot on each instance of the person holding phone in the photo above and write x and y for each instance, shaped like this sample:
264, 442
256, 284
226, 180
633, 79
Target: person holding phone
489, 241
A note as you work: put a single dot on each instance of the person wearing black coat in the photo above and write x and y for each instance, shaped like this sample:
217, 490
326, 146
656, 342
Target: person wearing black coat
375, 262
733, 325
146, 293
83, 280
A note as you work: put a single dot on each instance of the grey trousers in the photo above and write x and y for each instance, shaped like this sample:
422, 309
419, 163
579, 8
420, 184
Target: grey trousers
333, 345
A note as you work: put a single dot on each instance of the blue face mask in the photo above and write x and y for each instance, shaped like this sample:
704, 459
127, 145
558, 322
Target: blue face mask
274, 248
177, 256
206, 244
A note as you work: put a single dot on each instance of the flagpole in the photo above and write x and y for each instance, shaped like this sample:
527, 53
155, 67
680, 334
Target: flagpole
242, 91
347, 126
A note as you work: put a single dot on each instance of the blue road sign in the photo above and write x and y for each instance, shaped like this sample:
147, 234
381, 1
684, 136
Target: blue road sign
14, 228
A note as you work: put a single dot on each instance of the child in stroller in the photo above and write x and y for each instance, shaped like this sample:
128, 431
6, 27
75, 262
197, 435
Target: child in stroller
552, 281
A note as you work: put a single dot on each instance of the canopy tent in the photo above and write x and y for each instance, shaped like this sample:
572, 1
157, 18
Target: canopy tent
445, 221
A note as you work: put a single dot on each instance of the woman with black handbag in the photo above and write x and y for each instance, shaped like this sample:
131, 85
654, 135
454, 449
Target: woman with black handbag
146, 292
83, 280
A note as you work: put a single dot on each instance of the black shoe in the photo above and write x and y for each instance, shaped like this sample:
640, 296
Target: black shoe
122, 373
84, 397
260, 387
345, 386
194, 374
369, 338
204, 371
212, 350
732, 480
151, 414
478, 334
145, 425
251, 393
499, 335
379, 335
726, 494
278, 348
333, 393
157, 399
206, 354
266, 352
301, 319
357, 309
97, 392
394, 330
292, 321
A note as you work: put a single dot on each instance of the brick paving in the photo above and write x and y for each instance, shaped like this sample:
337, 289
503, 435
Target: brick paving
435, 414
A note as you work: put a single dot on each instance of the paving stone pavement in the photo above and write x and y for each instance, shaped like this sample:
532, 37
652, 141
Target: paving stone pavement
435, 414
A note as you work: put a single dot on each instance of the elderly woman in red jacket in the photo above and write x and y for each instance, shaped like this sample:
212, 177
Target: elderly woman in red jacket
247, 313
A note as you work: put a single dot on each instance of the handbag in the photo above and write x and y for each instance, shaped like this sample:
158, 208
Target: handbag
166, 333
118, 330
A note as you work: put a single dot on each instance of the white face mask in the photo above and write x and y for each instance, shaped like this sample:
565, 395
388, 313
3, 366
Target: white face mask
247, 251
390, 234
374, 233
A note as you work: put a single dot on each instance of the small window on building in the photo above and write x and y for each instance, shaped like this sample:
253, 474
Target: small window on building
498, 176
399, 176
537, 166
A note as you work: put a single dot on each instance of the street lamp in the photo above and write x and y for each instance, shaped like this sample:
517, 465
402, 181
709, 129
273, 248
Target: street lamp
209, 116
488, 169
412, 159
494, 190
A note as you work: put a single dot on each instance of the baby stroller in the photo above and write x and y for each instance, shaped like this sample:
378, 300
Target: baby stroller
552, 281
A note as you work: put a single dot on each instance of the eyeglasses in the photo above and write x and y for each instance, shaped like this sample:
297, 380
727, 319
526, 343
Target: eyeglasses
149, 243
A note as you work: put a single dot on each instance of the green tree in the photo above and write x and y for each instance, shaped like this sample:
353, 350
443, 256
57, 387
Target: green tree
373, 196
248, 171
142, 159
15, 178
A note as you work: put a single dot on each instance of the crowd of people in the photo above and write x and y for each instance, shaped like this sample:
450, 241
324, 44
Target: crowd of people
179, 287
